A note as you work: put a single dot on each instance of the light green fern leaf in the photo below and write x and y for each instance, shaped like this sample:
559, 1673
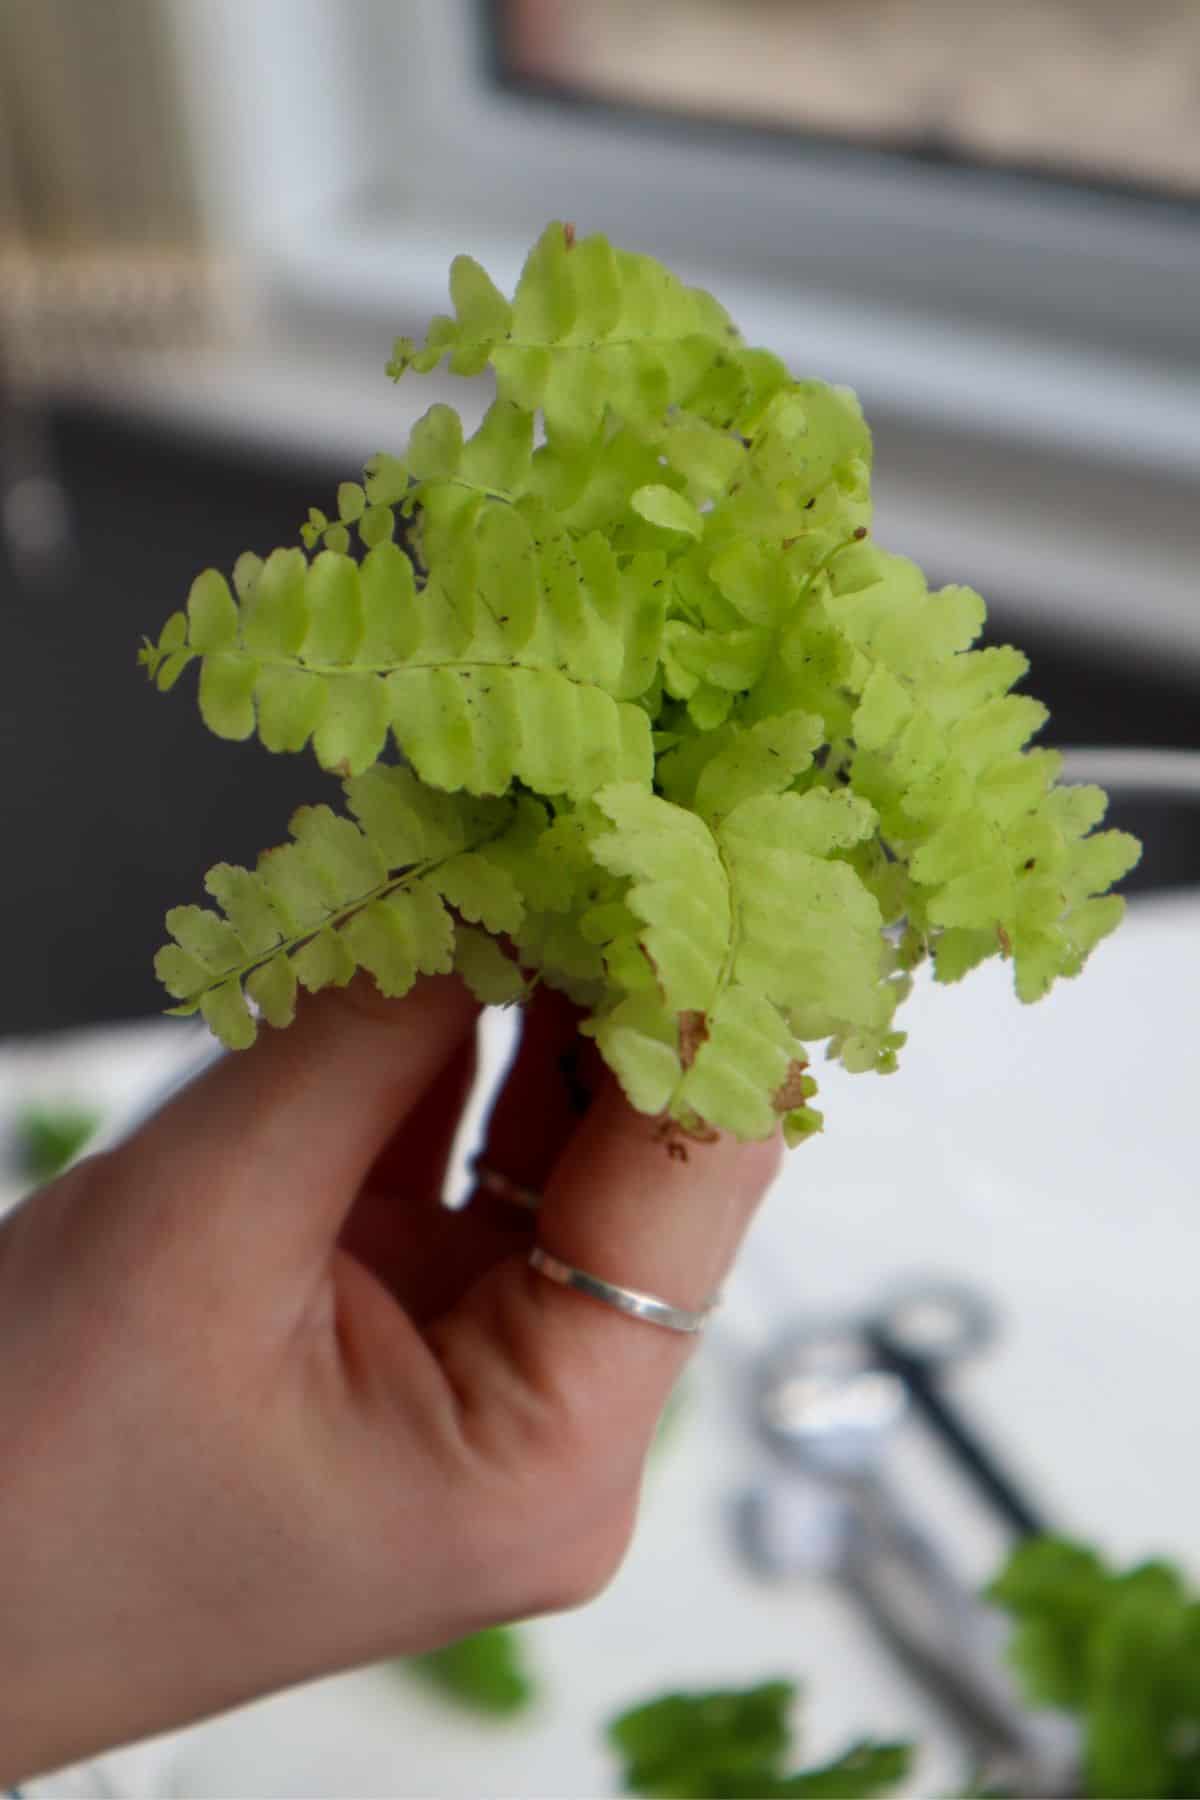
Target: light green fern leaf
493, 978
227, 1015
369, 892
589, 327
271, 986
764, 758
742, 1075
481, 729
515, 660
482, 891
746, 937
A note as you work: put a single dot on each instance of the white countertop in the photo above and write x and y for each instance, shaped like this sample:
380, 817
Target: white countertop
1046, 1153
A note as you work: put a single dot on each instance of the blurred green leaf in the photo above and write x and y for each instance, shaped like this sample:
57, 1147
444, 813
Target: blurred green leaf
687, 1746
485, 1672
731, 1745
1055, 1592
866, 1768
1119, 1650
49, 1138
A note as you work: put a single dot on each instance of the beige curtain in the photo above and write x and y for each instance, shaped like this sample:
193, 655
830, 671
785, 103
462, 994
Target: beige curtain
101, 229
92, 146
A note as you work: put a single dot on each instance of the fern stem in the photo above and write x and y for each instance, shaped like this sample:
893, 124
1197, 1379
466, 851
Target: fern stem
267, 660
288, 946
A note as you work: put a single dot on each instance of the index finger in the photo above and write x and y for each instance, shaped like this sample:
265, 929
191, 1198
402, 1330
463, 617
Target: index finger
254, 1167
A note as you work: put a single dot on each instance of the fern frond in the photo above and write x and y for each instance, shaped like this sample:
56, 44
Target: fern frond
998, 858
677, 737
589, 327
480, 729
781, 506
515, 659
713, 772
370, 892
748, 936
493, 978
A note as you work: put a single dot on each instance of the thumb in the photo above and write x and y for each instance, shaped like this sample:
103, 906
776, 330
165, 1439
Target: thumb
256, 1164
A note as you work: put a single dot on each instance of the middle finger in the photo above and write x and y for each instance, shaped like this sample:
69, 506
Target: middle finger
429, 1255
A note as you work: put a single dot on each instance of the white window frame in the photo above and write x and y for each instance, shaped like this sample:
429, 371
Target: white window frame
974, 307
1120, 271
929, 286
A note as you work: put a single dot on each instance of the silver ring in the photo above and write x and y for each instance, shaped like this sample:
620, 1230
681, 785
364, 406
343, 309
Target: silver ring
503, 1187
627, 1300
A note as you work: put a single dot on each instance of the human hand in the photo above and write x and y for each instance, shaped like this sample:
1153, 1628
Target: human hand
270, 1410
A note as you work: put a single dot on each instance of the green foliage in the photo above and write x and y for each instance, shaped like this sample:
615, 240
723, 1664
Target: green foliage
734, 1745
644, 704
369, 892
49, 1138
485, 1672
1121, 1650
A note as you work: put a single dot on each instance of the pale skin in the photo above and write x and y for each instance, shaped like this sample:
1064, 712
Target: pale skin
268, 1410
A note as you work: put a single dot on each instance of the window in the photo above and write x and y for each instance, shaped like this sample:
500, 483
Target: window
1015, 295
1084, 89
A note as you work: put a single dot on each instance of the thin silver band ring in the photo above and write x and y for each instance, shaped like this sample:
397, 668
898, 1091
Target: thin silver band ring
637, 1305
